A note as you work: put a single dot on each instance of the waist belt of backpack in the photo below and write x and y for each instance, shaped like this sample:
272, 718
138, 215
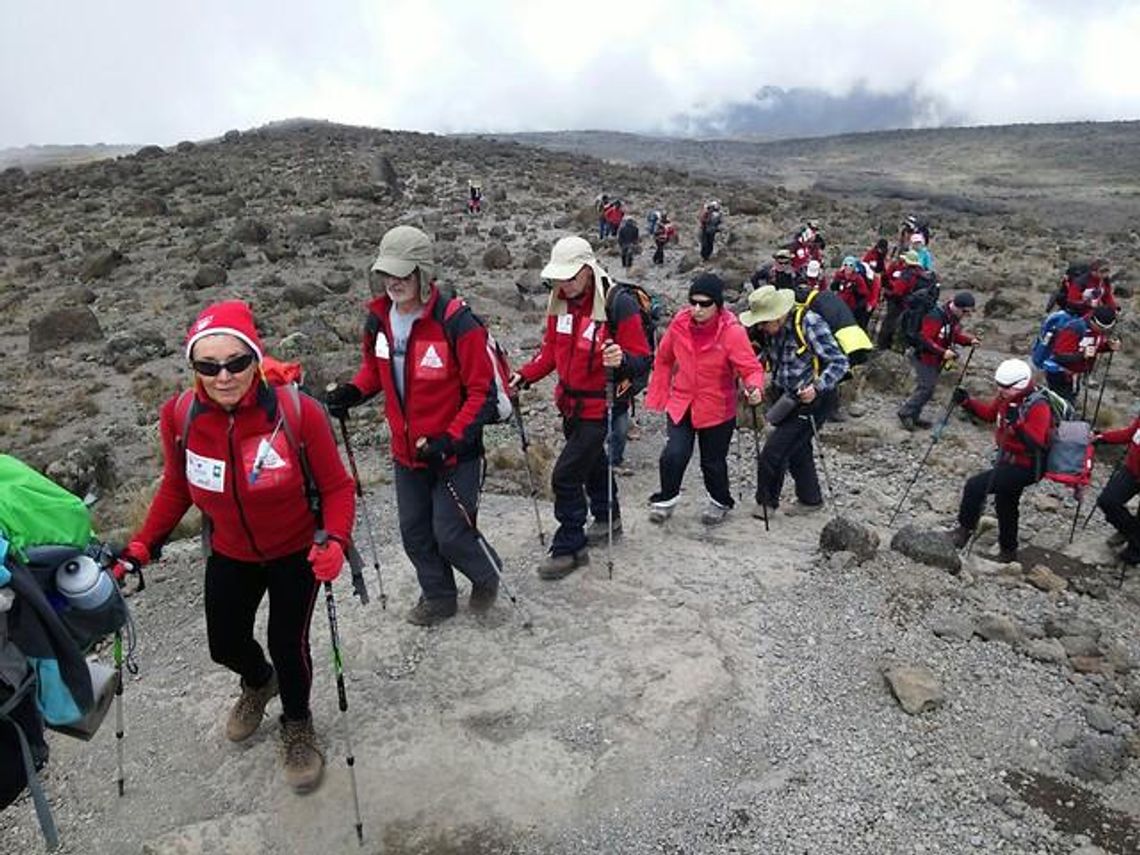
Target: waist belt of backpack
35, 787
582, 393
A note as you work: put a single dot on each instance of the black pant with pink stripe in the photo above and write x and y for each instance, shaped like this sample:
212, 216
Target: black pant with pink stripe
234, 590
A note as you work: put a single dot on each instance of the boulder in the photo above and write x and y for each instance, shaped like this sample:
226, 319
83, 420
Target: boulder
337, 282
209, 275
386, 175
915, 687
250, 231
126, 351
999, 306
689, 261
842, 534
1097, 758
310, 225
303, 294
87, 467
100, 264
496, 257
995, 627
63, 326
927, 547
887, 372
1043, 578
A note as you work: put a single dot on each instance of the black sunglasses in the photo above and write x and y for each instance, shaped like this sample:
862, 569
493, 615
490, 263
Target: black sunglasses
704, 304
212, 369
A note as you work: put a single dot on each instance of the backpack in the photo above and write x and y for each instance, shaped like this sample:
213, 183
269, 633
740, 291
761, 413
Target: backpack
649, 308
1042, 350
851, 338
35, 511
920, 302
1068, 456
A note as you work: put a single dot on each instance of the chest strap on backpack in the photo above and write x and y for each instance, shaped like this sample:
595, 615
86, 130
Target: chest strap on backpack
801, 336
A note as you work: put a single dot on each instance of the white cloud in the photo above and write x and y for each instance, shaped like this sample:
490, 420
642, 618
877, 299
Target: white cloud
135, 71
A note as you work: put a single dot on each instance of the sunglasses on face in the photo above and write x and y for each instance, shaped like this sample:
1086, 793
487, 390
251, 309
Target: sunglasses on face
700, 304
212, 369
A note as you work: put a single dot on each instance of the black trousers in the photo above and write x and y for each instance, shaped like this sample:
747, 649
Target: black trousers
1006, 482
714, 440
234, 590
788, 449
889, 325
707, 240
1121, 487
626, 254
659, 253
579, 481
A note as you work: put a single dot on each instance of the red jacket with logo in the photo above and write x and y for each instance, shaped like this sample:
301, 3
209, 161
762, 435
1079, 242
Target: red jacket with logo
852, 288
877, 260
1131, 435
1088, 291
939, 330
572, 345
1069, 343
1021, 431
448, 388
269, 518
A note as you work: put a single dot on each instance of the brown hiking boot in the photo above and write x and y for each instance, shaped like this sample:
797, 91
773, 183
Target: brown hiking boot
247, 713
598, 532
431, 612
1006, 556
483, 597
558, 566
961, 536
303, 762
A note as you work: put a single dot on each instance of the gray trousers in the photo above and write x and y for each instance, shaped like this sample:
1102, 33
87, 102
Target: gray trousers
436, 537
925, 379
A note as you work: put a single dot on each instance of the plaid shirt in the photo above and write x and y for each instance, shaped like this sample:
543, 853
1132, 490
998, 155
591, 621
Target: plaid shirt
794, 371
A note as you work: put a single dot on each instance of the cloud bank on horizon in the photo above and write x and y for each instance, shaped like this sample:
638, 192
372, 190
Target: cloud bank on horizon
74, 71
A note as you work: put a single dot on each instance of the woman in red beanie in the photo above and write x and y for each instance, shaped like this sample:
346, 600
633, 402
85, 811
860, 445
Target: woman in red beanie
231, 448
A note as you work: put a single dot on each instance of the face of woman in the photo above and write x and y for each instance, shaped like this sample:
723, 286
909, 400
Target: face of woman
238, 368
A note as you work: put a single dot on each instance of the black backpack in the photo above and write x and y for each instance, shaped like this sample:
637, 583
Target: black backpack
649, 308
920, 302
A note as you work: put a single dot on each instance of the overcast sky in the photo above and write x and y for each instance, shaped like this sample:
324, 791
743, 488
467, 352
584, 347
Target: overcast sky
159, 71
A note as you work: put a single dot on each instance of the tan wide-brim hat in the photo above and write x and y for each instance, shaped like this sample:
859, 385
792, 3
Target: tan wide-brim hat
567, 257
402, 250
767, 303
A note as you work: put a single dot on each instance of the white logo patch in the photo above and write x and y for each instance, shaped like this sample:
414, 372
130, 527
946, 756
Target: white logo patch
431, 358
588, 332
565, 324
206, 473
381, 349
268, 457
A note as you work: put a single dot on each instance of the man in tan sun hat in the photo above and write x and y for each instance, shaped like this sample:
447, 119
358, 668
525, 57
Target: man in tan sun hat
807, 380
593, 335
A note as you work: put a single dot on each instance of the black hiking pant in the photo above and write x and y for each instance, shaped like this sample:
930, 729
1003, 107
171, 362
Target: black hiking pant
714, 440
1119, 490
436, 537
1006, 482
659, 253
579, 481
889, 325
862, 316
707, 240
788, 449
627, 255
234, 590
1065, 385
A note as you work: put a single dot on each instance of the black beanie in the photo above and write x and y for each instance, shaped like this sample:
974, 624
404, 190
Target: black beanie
964, 300
1104, 317
709, 285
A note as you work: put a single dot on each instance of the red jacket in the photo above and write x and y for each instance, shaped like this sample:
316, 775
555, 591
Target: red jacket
448, 388
1021, 430
902, 280
852, 288
665, 233
1131, 435
1088, 291
572, 346
1069, 343
698, 372
802, 253
614, 215
877, 260
939, 330
249, 522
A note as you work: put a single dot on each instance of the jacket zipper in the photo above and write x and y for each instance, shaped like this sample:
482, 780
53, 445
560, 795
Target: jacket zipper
235, 481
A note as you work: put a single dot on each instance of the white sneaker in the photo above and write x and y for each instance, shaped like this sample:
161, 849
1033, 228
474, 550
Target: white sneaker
714, 514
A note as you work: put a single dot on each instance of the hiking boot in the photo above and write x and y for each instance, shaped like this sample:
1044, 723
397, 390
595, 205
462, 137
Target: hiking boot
802, 508
961, 536
483, 597
923, 424
1006, 556
659, 513
303, 762
1117, 539
907, 423
246, 715
1130, 556
761, 511
714, 514
559, 566
430, 612
597, 532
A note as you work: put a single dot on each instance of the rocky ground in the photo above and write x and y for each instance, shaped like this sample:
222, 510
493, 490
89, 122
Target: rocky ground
728, 690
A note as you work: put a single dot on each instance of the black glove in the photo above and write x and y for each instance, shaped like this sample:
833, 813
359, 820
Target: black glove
436, 450
340, 398
960, 396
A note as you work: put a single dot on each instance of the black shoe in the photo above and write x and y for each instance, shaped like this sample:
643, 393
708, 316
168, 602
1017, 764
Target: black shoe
598, 531
1130, 556
907, 423
961, 536
925, 424
559, 566
431, 612
1006, 556
483, 597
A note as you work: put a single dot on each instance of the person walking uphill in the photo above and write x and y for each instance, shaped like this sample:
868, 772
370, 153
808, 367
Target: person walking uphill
700, 357
1023, 421
232, 448
593, 338
1121, 487
427, 352
807, 376
939, 332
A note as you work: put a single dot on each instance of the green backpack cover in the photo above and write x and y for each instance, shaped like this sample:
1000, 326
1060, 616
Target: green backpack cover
35, 511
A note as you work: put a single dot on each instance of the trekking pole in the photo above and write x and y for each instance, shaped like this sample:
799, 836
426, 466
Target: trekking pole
117, 647
756, 445
739, 467
935, 435
529, 472
528, 624
1076, 516
1103, 385
609, 473
364, 511
823, 464
342, 703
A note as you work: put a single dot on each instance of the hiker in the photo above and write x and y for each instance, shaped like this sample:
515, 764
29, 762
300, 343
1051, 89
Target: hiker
601, 203
1024, 421
1074, 348
1121, 487
703, 353
918, 244
940, 331
851, 283
807, 378
904, 276
778, 272
709, 223
627, 236
664, 234
811, 277
614, 214
590, 332
234, 451
807, 246
651, 220
1086, 286
474, 197
428, 354
877, 257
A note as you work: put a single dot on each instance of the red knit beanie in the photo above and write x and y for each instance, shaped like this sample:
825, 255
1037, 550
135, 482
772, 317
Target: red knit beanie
232, 317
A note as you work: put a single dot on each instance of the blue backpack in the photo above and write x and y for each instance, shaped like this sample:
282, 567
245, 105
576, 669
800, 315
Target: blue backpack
1042, 352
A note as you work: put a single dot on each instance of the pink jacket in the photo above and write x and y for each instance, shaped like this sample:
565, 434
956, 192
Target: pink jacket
704, 381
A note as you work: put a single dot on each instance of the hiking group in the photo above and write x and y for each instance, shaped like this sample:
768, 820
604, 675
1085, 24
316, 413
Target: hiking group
259, 459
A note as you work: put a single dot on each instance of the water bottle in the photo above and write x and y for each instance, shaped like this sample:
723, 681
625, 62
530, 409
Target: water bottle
83, 583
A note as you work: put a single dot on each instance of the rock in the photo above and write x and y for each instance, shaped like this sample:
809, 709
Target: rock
63, 326
530, 284
915, 687
77, 295
150, 152
209, 275
1089, 665
995, 627
887, 372
337, 282
1089, 848
1055, 627
231, 136
100, 264
1118, 656
150, 206
999, 306
386, 174
1045, 650
126, 351
842, 560
88, 467
1079, 645
275, 251
1066, 733
954, 627
1097, 758
1045, 579
1100, 719
496, 257
222, 252
228, 833
927, 547
310, 225
689, 261
250, 231
303, 294
842, 534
